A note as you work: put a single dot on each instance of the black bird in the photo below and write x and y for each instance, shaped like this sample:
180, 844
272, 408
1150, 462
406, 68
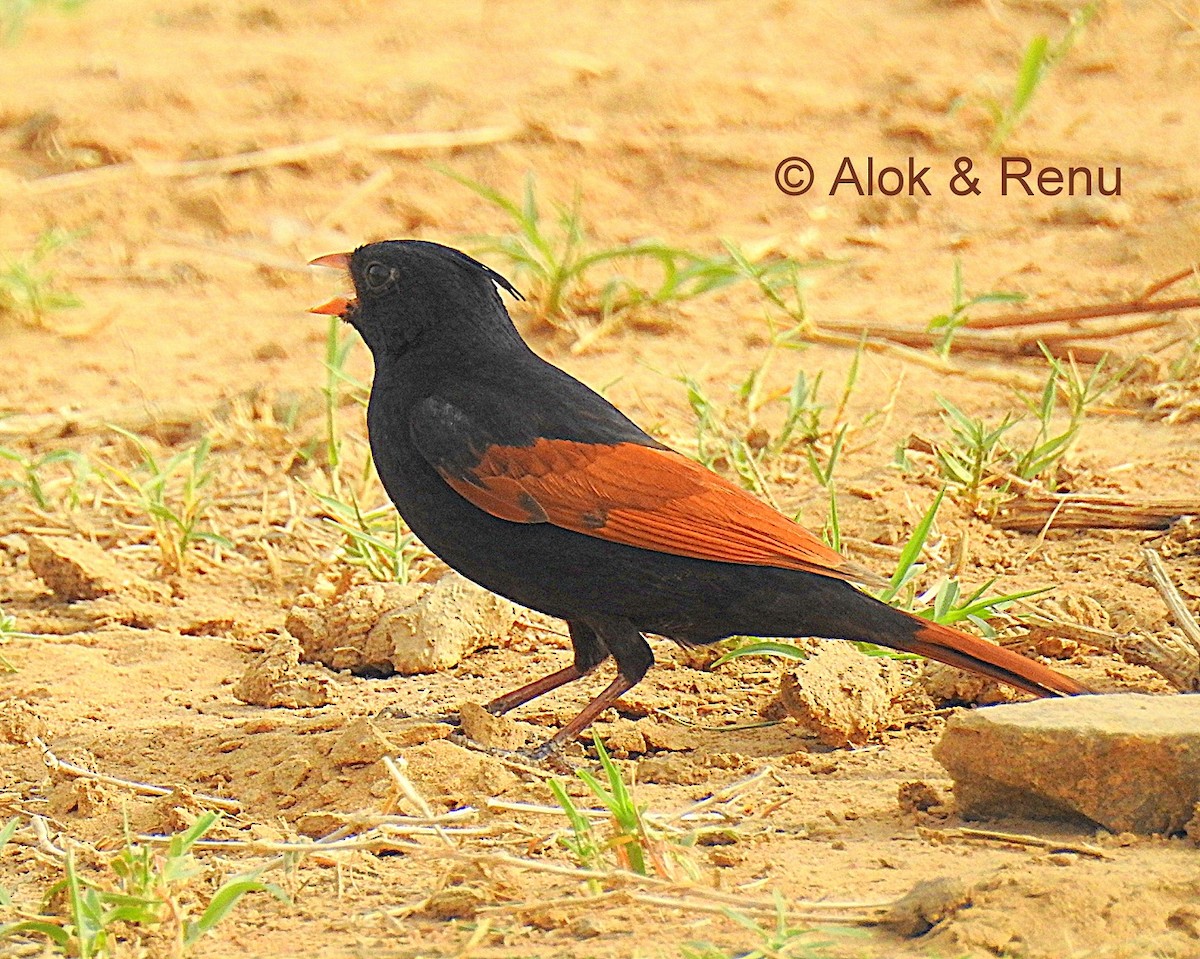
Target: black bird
537, 488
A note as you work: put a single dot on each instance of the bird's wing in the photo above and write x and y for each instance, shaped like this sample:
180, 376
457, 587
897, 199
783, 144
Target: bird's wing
624, 492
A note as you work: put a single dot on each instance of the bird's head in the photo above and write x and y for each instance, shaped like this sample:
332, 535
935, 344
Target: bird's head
409, 293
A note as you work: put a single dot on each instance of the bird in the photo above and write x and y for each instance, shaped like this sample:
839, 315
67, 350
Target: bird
531, 484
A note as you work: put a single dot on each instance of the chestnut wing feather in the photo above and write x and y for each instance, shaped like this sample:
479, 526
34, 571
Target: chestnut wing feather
653, 498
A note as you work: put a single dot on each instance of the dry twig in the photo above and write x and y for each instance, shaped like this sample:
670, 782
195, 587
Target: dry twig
1019, 839
1031, 510
1073, 314
1178, 666
1170, 594
143, 789
292, 153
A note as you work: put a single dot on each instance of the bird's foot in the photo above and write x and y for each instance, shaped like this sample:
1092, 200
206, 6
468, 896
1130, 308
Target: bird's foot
550, 754
532, 761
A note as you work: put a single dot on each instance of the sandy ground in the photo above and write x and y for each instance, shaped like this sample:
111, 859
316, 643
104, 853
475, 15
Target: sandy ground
667, 121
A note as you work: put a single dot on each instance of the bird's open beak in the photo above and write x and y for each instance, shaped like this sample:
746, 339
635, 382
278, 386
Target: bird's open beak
339, 305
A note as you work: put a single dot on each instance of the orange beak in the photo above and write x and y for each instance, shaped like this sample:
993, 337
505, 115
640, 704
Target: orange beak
339, 305
337, 261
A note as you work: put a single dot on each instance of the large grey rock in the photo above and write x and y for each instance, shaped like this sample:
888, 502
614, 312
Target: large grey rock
1127, 761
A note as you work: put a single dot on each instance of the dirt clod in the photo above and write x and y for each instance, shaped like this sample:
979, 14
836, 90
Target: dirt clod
624, 739
666, 736
361, 744
841, 696
491, 732
76, 569
450, 776
81, 797
915, 797
20, 723
927, 904
385, 628
413, 732
276, 678
455, 902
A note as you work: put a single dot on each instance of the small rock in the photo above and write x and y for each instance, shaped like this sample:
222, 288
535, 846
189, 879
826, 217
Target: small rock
589, 927
360, 745
455, 902
386, 628
946, 684
841, 696
720, 836
547, 919
1089, 211
915, 797
1127, 761
450, 776
77, 569
725, 857
20, 723
927, 904
491, 732
276, 678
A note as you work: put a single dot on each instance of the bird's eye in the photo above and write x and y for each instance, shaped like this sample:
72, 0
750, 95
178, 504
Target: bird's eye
377, 276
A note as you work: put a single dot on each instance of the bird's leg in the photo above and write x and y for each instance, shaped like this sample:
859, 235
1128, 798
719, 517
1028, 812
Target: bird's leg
632, 653
589, 653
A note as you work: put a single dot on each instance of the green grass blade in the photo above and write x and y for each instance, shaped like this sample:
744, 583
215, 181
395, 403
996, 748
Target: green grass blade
912, 550
223, 902
56, 934
765, 648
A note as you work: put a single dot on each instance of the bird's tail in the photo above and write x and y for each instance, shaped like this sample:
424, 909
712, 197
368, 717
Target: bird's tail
969, 652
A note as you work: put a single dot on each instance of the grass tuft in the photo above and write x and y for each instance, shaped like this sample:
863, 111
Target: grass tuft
376, 540
738, 435
169, 494
562, 263
783, 938
948, 324
9, 631
43, 484
140, 894
29, 289
1040, 57
981, 457
633, 845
